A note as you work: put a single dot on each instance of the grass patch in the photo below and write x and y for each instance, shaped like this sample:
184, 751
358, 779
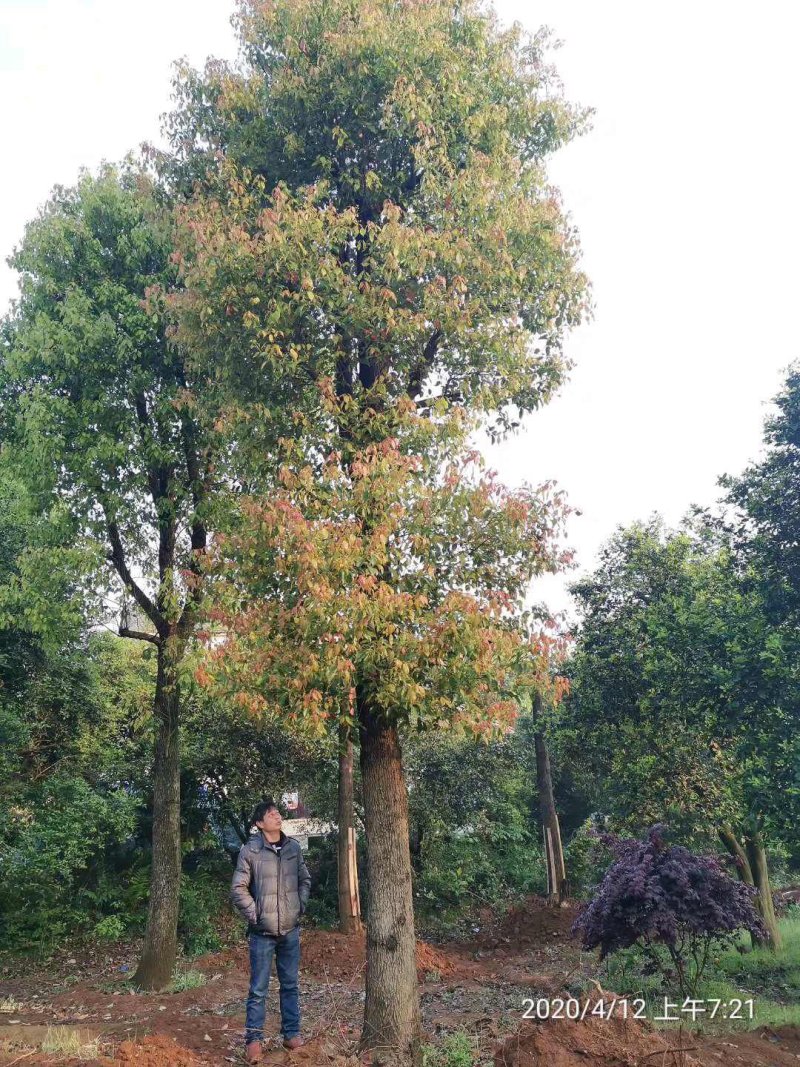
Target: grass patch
457, 1050
117, 986
770, 979
181, 981
184, 980
66, 1041
765, 1010
773, 974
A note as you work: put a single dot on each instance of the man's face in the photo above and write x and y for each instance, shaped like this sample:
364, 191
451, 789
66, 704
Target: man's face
271, 822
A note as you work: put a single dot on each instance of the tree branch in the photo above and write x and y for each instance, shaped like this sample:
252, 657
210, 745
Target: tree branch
155, 476
197, 483
420, 371
198, 532
120, 564
139, 635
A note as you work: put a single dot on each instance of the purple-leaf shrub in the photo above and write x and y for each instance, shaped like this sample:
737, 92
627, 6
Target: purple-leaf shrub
659, 894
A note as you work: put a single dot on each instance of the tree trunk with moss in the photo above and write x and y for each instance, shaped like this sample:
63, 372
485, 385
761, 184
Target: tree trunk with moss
750, 858
757, 855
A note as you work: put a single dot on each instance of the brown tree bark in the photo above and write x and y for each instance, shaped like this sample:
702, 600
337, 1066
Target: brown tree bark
751, 864
391, 1011
349, 902
551, 829
735, 848
757, 855
157, 964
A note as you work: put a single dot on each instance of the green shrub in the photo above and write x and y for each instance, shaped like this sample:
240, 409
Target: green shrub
481, 865
586, 859
322, 862
475, 832
111, 928
204, 898
52, 850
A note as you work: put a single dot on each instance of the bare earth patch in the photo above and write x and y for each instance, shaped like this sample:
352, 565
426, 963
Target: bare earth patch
478, 986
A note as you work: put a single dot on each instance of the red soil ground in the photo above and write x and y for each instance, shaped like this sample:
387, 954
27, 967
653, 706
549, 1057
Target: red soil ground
477, 986
615, 1043
156, 1050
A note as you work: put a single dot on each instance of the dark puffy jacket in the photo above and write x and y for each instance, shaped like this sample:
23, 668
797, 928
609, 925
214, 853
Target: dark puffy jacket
270, 889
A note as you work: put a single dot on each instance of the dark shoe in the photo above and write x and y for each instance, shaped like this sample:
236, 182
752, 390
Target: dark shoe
293, 1042
252, 1052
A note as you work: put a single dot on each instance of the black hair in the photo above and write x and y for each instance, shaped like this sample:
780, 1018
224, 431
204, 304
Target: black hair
261, 809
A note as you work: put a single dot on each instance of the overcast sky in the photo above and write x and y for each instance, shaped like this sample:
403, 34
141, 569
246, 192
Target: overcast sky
685, 194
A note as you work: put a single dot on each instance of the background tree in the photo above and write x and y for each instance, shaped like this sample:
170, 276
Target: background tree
73, 722
347, 856
99, 410
234, 759
475, 841
677, 680
767, 495
551, 826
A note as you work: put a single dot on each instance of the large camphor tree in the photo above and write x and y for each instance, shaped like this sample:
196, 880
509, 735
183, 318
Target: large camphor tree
374, 243
98, 417
399, 585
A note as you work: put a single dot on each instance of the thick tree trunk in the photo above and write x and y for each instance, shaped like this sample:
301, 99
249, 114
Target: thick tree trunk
551, 829
757, 855
349, 903
391, 1012
161, 936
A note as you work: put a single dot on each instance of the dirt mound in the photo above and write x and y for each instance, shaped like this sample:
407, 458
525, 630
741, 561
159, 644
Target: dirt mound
533, 921
316, 1053
767, 1047
328, 954
591, 1043
157, 1050
431, 961
626, 1043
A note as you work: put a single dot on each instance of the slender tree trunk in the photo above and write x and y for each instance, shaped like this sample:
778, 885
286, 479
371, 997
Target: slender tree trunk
551, 829
757, 855
735, 848
415, 840
751, 865
391, 1012
349, 903
161, 936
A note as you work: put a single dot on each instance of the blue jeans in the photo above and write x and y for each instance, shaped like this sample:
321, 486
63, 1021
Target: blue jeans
286, 950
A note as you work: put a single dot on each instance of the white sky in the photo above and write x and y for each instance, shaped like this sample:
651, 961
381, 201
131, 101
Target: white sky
685, 194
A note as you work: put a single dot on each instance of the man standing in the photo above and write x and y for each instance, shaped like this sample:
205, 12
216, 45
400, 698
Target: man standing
270, 890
